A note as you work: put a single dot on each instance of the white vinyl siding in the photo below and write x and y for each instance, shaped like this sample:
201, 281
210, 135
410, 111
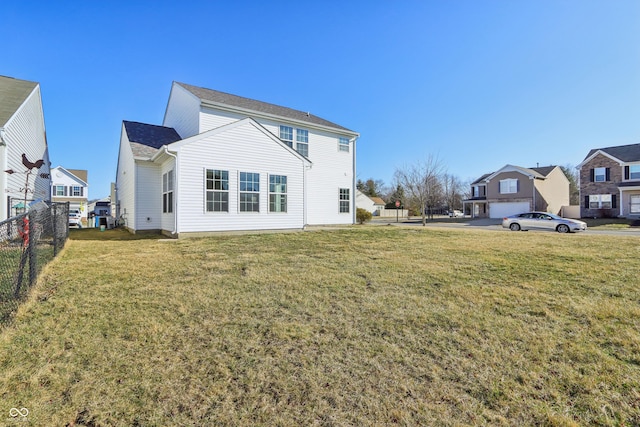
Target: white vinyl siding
24, 133
149, 199
182, 112
125, 183
253, 152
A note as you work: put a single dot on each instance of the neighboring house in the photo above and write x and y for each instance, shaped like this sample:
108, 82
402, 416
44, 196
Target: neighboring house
375, 205
514, 189
22, 133
610, 182
221, 162
70, 185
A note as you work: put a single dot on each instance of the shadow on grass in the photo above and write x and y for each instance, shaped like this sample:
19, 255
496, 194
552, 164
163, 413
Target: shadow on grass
112, 234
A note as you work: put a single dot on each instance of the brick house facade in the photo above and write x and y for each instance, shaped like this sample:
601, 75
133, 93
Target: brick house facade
610, 182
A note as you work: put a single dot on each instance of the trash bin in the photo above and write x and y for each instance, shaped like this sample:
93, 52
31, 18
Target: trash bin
102, 228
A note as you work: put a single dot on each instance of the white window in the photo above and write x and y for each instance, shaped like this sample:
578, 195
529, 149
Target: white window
249, 192
600, 201
508, 186
635, 205
59, 190
217, 190
476, 191
343, 144
344, 200
600, 174
76, 191
167, 192
286, 134
302, 142
634, 172
277, 193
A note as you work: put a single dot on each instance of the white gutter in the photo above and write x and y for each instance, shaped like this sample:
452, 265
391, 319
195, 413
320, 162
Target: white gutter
175, 192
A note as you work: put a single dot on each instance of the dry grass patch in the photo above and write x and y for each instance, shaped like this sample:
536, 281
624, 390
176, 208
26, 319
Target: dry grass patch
365, 326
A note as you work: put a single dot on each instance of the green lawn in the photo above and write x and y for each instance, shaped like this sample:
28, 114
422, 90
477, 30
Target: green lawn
372, 325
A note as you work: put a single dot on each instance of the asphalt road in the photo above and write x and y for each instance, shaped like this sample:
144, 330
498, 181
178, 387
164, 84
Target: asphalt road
489, 225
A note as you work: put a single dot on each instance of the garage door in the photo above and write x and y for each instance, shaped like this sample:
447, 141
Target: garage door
500, 210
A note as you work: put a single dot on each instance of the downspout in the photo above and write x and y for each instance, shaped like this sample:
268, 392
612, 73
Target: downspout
533, 181
353, 183
175, 192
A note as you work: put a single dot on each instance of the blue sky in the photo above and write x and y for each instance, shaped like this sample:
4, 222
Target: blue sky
477, 83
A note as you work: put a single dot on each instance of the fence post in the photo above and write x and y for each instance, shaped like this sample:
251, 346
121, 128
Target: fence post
33, 249
54, 225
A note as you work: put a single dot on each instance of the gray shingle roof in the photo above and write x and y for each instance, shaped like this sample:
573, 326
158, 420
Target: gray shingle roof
13, 92
217, 97
147, 139
544, 171
626, 153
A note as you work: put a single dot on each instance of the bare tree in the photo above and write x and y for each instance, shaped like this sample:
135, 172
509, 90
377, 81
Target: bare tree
422, 183
453, 191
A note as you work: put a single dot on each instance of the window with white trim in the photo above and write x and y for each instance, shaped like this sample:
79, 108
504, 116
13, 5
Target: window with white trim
344, 200
634, 206
634, 172
217, 190
249, 192
76, 191
286, 134
58, 190
508, 186
302, 142
167, 192
600, 174
277, 193
343, 144
600, 201
476, 191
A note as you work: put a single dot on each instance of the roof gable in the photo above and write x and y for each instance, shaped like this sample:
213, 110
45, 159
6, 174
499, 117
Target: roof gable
13, 93
78, 175
222, 129
250, 105
624, 153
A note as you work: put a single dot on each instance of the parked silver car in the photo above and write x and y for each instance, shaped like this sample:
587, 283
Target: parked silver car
542, 221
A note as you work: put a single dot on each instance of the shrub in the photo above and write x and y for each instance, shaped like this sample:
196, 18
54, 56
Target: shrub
363, 215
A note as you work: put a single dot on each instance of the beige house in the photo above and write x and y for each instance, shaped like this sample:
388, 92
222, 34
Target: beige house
513, 189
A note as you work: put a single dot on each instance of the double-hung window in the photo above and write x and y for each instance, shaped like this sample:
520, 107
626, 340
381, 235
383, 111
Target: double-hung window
167, 192
344, 200
600, 174
343, 144
301, 138
634, 172
286, 135
277, 193
217, 190
249, 192
58, 190
508, 186
302, 142
600, 201
76, 191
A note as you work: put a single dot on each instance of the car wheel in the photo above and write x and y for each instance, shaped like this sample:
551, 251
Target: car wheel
514, 227
562, 228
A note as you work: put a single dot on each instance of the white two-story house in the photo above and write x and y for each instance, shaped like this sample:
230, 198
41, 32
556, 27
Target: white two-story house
222, 162
70, 185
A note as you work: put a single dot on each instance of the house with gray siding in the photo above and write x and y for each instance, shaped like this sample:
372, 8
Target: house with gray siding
221, 162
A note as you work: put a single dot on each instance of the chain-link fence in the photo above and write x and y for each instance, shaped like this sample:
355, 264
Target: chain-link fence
27, 243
